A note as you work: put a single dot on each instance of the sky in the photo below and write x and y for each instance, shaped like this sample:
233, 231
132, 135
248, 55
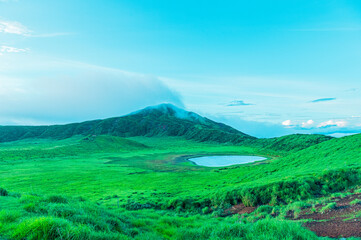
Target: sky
267, 68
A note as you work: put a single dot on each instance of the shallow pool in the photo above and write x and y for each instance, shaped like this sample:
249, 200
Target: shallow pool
222, 161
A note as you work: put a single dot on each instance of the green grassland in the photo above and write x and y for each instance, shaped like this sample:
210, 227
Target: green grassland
129, 177
141, 187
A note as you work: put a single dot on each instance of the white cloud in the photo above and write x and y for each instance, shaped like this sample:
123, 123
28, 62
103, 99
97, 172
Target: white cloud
61, 92
307, 124
332, 123
287, 123
49, 35
7, 49
13, 27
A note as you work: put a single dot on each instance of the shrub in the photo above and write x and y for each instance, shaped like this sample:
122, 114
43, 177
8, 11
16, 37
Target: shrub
217, 212
206, 210
356, 201
329, 207
288, 191
57, 199
264, 209
3, 192
137, 206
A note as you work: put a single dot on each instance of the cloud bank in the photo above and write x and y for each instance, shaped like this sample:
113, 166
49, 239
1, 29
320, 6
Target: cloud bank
84, 92
332, 123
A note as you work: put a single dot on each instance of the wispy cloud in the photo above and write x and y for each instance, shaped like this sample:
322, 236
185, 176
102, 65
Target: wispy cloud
7, 49
49, 35
239, 103
323, 100
13, 27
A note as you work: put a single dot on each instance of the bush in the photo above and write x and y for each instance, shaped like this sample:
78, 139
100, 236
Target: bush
3, 192
57, 199
329, 207
264, 209
285, 192
206, 210
356, 201
137, 206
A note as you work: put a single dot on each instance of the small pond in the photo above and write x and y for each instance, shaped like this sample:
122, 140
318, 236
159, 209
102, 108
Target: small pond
222, 161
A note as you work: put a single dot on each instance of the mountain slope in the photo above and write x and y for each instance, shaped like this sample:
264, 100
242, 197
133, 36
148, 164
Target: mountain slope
162, 120
337, 153
294, 142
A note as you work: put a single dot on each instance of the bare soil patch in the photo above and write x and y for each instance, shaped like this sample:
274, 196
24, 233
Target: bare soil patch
338, 222
342, 221
241, 209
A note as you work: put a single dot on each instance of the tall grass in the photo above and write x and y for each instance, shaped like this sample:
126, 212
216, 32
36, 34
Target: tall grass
60, 218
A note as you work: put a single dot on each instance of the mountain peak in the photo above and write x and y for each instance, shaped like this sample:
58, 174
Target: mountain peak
165, 107
159, 120
170, 110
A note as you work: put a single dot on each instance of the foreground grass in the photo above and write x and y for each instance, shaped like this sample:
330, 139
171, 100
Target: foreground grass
138, 188
55, 217
142, 172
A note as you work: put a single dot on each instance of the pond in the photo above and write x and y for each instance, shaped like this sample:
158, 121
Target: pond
222, 161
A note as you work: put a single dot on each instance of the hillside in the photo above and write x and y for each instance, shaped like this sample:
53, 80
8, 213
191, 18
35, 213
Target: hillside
337, 153
145, 176
161, 120
293, 143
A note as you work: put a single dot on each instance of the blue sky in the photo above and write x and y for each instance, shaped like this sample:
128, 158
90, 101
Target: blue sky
268, 68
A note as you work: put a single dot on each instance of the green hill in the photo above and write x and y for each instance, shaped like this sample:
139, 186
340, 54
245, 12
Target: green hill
337, 153
135, 167
159, 121
162, 120
294, 142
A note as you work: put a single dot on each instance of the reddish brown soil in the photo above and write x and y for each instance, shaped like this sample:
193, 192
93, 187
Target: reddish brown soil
241, 209
336, 228
332, 223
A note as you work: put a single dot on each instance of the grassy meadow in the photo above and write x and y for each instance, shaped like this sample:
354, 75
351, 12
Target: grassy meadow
109, 187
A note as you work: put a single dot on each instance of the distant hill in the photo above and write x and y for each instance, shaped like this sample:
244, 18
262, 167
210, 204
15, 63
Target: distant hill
161, 120
342, 152
294, 142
